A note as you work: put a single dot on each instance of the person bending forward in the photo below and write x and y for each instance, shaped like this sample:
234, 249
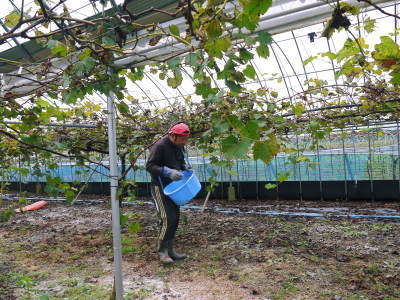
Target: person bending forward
166, 163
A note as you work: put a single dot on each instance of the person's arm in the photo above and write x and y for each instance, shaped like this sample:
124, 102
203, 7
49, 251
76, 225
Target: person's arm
154, 164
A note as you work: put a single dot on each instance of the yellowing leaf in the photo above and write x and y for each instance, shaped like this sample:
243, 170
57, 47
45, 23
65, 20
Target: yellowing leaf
213, 29
12, 19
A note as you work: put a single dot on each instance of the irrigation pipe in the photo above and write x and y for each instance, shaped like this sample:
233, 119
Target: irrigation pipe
231, 210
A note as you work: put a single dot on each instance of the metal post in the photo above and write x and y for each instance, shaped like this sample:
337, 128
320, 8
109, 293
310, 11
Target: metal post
238, 179
112, 144
344, 170
398, 150
319, 173
257, 183
20, 175
204, 168
276, 177
222, 179
370, 167
299, 167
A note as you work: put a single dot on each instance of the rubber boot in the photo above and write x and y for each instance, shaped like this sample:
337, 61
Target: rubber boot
172, 253
163, 253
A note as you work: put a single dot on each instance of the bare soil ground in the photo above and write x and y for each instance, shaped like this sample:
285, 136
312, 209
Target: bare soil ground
65, 252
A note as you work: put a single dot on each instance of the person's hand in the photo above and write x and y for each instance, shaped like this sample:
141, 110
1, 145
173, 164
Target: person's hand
173, 174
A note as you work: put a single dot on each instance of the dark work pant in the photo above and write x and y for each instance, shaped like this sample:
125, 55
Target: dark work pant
168, 214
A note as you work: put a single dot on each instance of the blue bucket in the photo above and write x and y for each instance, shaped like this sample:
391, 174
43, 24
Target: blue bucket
184, 190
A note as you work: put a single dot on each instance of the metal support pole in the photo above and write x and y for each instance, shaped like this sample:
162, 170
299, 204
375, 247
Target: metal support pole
112, 144
299, 167
370, 167
276, 177
398, 150
319, 173
257, 183
346, 193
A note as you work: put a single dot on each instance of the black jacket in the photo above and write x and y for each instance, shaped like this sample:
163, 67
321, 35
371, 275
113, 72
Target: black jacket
164, 153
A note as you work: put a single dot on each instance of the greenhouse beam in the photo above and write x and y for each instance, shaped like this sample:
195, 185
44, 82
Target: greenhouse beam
73, 125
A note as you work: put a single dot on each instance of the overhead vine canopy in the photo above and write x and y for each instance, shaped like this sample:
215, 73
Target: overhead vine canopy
244, 74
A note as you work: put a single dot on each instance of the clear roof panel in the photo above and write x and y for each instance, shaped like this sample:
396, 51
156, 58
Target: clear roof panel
285, 65
81, 9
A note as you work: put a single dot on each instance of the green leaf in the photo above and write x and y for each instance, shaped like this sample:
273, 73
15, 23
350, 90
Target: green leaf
250, 72
264, 38
270, 186
350, 48
233, 148
218, 46
108, 41
348, 8
42, 103
85, 54
369, 25
12, 19
123, 108
298, 109
314, 125
85, 65
176, 81
229, 69
134, 227
192, 59
233, 86
330, 55
174, 30
221, 126
386, 49
134, 76
174, 63
245, 54
395, 78
310, 59
204, 89
282, 177
57, 48
252, 10
263, 51
234, 122
213, 29
250, 130
69, 195
265, 150
123, 219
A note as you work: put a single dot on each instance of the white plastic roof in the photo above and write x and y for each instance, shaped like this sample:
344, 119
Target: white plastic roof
289, 21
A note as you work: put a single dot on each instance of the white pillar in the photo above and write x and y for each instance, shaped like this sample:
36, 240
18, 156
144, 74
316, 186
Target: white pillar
116, 228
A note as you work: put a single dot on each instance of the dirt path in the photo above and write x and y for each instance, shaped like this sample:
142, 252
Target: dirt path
65, 251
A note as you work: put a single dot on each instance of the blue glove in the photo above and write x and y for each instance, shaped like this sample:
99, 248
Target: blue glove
173, 174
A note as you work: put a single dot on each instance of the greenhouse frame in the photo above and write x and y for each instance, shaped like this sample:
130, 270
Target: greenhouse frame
354, 161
